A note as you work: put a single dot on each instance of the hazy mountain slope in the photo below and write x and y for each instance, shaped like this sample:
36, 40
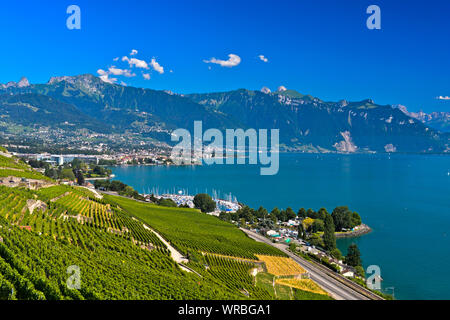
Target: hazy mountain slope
126, 108
342, 126
34, 109
306, 123
437, 120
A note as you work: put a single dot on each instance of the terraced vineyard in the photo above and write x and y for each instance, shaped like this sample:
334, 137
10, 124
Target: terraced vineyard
188, 230
46, 232
282, 291
281, 266
302, 284
15, 168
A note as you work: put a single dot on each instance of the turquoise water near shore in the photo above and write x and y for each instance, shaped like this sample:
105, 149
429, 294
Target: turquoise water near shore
405, 199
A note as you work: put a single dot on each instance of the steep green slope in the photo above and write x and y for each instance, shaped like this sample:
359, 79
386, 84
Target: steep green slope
189, 230
46, 233
122, 108
37, 248
32, 109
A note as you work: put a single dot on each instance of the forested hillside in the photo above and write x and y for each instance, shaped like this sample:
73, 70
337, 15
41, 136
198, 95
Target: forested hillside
306, 123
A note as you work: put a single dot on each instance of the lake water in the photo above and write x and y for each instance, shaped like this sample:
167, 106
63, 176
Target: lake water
404, 198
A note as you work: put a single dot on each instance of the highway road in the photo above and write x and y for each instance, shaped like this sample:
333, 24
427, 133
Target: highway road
338, 289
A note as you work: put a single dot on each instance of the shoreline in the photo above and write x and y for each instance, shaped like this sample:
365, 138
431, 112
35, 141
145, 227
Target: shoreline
362, 230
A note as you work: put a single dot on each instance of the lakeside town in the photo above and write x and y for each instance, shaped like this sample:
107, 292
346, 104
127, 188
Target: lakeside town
128, 158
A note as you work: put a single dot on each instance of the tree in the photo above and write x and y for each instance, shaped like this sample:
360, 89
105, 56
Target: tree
317, 226
78, 164
273, 218
353, 257
51, 173
356, 219
301, 231
322, 213
225, 216
283, 216
290, 213
302, 213
275, 213
99, 170
336, 253
79, 176
329, 238
246, 213
166, 202
311, 214
204, 202
360, 271
307, 223
80, 179
316, 240
117, 185
262, 213
342, 218
66, 174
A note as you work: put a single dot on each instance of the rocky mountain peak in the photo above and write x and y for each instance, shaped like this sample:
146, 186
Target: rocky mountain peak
23, 83
11, 84
265, 90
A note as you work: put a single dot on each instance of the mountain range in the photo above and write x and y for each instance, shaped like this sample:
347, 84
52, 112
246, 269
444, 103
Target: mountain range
436, 120
306, 123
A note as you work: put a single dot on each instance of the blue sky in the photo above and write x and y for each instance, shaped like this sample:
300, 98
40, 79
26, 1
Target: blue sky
318, 47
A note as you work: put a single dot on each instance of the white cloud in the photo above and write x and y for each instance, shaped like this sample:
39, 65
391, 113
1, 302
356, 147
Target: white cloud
233, 60
107, 79
156, 66
107, 75
135, 62
104, 76
102, 72
281, 88
120, 72
443, 98
262, 58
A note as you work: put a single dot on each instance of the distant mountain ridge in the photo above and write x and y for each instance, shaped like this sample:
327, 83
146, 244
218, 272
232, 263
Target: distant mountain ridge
310, 124
306, 123
436, 120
